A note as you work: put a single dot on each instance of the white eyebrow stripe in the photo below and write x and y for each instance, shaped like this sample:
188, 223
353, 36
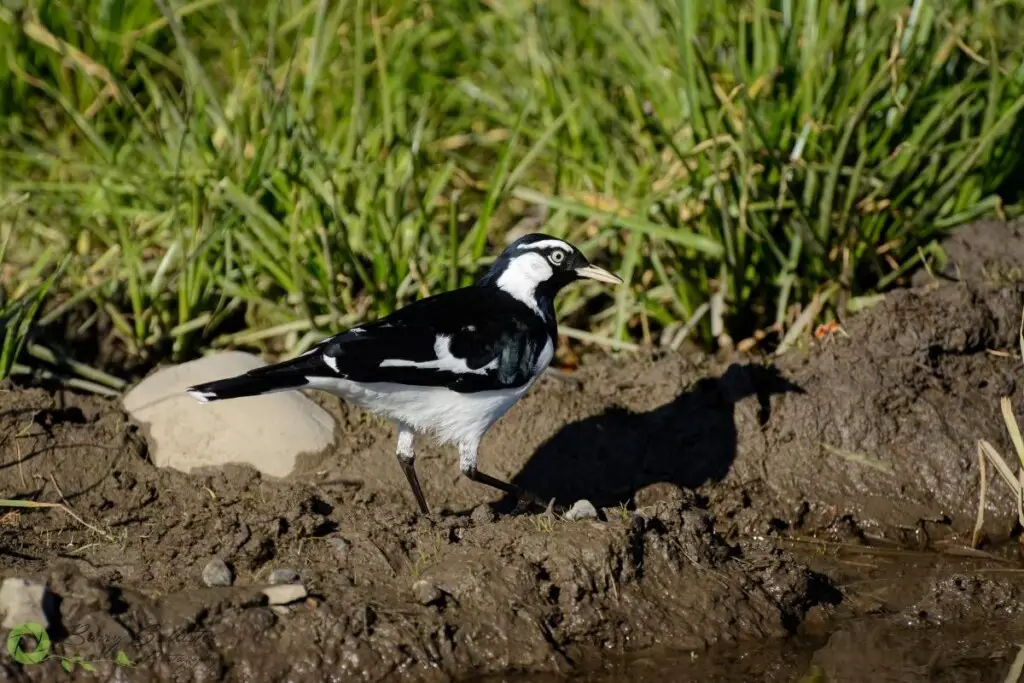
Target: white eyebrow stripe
546, 244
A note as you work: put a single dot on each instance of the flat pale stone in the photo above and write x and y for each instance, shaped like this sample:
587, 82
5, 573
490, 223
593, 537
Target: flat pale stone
285, 593
23, 602
267, 432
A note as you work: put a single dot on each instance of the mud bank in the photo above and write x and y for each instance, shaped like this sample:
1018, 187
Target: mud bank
758, 521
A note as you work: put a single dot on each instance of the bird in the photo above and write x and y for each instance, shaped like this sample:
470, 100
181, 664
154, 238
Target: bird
448, 365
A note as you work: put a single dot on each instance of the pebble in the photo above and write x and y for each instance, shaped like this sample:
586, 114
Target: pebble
284, 593
581, 509
216, 573
426, 592
340, 546
282, 576
23, 602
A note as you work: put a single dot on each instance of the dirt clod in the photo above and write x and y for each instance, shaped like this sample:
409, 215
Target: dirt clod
426, 593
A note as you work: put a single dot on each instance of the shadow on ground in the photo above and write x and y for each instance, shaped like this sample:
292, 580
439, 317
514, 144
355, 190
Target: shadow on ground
607, 458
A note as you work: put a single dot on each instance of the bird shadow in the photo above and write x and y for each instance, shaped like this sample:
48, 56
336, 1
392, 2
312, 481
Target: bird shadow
687, 442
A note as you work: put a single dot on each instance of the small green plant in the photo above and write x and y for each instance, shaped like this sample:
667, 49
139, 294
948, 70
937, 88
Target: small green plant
815, 675
17, 316
424, 557
623, 512
543, 523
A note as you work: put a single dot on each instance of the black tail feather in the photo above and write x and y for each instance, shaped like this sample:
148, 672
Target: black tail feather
251, 383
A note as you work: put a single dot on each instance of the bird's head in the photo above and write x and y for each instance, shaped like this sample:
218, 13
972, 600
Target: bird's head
536, 266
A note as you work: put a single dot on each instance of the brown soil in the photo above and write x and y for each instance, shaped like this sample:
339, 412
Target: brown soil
759, 522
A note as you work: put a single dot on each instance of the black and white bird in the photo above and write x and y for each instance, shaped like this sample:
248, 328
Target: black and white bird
448, 365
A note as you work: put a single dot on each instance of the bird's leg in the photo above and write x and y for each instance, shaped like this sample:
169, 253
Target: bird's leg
467, 464
407, 459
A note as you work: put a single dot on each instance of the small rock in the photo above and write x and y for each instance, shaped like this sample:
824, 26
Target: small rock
285, 593
216, 573
340, 546
482, 514
22, 602
426, 592
280, 610
581, 509
279, 576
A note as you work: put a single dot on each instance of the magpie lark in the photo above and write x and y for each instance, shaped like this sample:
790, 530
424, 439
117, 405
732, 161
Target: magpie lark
449, 365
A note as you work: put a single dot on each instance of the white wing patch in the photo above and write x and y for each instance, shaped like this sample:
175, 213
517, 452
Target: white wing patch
331, 362
444, 361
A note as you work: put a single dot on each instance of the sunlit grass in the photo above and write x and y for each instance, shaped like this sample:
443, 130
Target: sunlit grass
262, 176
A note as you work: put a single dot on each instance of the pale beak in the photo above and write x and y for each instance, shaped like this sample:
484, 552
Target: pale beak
599, 274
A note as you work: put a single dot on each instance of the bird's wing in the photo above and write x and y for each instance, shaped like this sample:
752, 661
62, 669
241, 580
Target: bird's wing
462, 341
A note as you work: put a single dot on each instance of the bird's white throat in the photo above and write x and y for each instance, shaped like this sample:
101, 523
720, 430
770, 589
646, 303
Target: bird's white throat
521, 277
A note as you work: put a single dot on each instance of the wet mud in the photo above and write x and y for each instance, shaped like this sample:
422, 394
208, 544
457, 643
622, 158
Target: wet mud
806, 517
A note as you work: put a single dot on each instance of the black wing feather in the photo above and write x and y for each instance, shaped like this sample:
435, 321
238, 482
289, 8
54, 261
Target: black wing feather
496, 336
483, 329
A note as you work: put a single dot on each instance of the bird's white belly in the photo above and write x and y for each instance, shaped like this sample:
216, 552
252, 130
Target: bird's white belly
449, 415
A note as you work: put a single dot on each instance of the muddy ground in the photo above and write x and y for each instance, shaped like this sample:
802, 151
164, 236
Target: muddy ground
759, 522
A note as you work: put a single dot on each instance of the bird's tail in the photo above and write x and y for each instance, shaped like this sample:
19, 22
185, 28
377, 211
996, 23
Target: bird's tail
266, 380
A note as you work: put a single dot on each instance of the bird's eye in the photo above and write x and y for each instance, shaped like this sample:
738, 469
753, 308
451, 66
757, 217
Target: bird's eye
557, 257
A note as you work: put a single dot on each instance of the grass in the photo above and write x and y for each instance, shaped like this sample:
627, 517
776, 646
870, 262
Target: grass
185, 176
986, 451
59, 506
